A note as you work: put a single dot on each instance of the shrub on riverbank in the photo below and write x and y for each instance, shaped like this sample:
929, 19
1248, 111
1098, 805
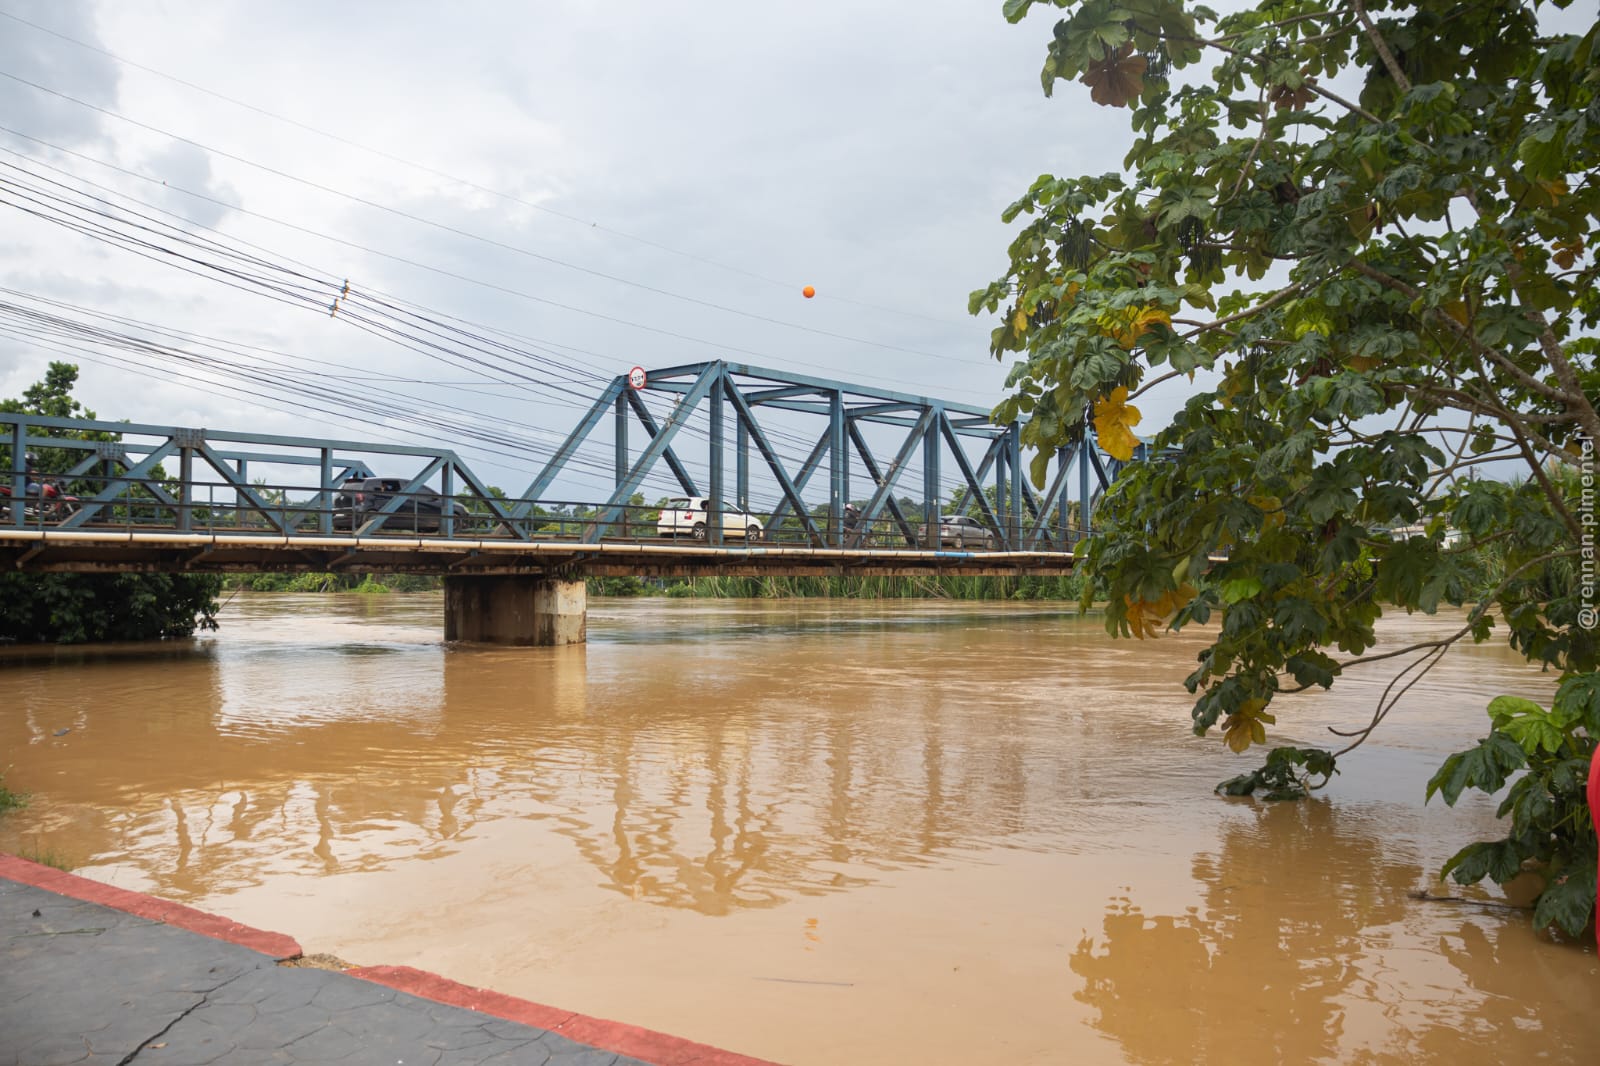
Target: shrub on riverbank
84, 608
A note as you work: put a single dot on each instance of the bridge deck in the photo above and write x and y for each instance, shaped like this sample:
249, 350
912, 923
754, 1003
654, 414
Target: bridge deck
124, 551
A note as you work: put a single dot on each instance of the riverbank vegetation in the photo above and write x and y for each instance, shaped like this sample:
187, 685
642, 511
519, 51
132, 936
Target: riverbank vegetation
1355, 239
866, 588
81, 608
9, 800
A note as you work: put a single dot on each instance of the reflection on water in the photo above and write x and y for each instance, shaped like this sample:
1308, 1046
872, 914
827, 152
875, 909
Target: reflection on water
1259, 970
901, 807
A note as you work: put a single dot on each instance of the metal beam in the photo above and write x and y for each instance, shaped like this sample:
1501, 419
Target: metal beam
648, 421
536, 488
652, 451
886, 481
870, 514
974, 480
791, 494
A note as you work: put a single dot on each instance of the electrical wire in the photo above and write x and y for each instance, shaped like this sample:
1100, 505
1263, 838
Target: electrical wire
588, 224
294, 288
457, 231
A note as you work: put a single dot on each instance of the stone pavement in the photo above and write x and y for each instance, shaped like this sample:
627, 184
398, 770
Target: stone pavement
86, 982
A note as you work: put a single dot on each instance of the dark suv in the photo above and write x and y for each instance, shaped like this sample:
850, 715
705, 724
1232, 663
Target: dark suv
422, 510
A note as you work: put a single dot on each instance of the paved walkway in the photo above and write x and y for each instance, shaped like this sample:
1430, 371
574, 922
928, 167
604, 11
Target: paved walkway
94, 974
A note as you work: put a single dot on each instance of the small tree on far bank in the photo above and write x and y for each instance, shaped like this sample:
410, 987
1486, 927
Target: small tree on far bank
83, 608
1365, 235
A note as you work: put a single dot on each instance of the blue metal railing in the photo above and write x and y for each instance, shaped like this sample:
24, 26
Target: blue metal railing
97, 475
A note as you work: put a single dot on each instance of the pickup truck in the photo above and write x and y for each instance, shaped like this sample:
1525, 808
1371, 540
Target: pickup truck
686, 516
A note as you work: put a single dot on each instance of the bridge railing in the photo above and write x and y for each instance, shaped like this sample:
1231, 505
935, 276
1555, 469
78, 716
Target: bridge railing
99, 475
132, 504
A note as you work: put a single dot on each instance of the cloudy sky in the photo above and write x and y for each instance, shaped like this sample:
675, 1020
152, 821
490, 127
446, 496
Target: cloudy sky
603, 184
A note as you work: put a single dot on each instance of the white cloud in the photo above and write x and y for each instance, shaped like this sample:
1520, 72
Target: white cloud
855, 147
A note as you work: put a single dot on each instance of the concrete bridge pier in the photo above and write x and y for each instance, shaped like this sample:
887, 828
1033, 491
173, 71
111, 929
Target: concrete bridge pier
515, 609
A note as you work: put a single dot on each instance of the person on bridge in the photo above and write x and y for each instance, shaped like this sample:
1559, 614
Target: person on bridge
35, 486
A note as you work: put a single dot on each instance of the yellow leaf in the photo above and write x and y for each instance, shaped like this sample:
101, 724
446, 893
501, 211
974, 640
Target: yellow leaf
1234, 381
1019, 322
1272, 510
1247, 725
1147, 617
1129, 326
1114, 419
1566, 252
1362, 363
1116, 79
1554, 189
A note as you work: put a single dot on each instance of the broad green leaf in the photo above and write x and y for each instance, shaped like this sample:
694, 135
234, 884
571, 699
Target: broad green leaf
1568, 901
1240, 588
1499, 861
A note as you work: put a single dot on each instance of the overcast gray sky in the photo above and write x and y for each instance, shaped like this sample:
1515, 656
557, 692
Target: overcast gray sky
723, 153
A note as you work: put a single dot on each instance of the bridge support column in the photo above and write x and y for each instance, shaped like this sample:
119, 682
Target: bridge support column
515, 609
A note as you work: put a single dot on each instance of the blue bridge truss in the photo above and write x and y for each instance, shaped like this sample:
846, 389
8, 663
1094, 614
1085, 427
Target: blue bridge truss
894, 452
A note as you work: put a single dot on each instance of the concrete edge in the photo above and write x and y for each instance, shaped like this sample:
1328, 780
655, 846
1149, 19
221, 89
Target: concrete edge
618, 1037
273, 945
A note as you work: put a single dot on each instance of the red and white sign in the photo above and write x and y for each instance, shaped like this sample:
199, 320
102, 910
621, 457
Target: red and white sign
636, 378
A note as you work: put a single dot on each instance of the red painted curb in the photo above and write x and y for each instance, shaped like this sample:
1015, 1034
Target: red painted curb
630, 1040
276, 945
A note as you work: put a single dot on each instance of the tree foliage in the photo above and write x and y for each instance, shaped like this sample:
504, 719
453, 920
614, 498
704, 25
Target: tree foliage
1360, 233
79, 608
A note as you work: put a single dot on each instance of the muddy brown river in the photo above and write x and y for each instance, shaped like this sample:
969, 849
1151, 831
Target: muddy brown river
816, 832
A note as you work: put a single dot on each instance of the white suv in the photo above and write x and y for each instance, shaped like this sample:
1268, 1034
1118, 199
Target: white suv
687, 515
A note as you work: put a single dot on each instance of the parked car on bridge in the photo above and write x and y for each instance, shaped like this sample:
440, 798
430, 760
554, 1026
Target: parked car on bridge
687, 516
422, 511
961, 532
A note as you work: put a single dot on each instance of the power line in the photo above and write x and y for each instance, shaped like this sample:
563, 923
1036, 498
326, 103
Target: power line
423, 345
469, 235
295, 290
465, 182
440, 271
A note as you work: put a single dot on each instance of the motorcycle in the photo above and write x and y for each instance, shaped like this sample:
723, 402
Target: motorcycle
47, 504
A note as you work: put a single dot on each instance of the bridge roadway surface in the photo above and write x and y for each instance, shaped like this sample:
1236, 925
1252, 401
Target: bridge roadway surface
94, 974
116, 550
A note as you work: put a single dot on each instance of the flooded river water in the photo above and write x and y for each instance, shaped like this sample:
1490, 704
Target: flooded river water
815, 832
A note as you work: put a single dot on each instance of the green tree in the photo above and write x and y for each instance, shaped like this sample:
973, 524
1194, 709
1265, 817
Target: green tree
1360, 233
78, 608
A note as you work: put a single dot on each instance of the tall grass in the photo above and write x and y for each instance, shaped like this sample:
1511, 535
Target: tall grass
9, 800
931, 586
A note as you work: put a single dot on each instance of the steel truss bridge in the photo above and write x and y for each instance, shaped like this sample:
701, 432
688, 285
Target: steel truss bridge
160, 498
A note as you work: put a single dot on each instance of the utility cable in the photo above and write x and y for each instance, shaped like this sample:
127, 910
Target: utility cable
469, 235
464, 182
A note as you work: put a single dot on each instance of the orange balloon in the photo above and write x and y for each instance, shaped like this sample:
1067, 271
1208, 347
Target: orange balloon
808, 292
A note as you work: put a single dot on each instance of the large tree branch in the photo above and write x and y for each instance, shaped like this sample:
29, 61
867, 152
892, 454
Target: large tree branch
1472, 618
1555, 356
1271, 301
1382, 47
1521, 376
